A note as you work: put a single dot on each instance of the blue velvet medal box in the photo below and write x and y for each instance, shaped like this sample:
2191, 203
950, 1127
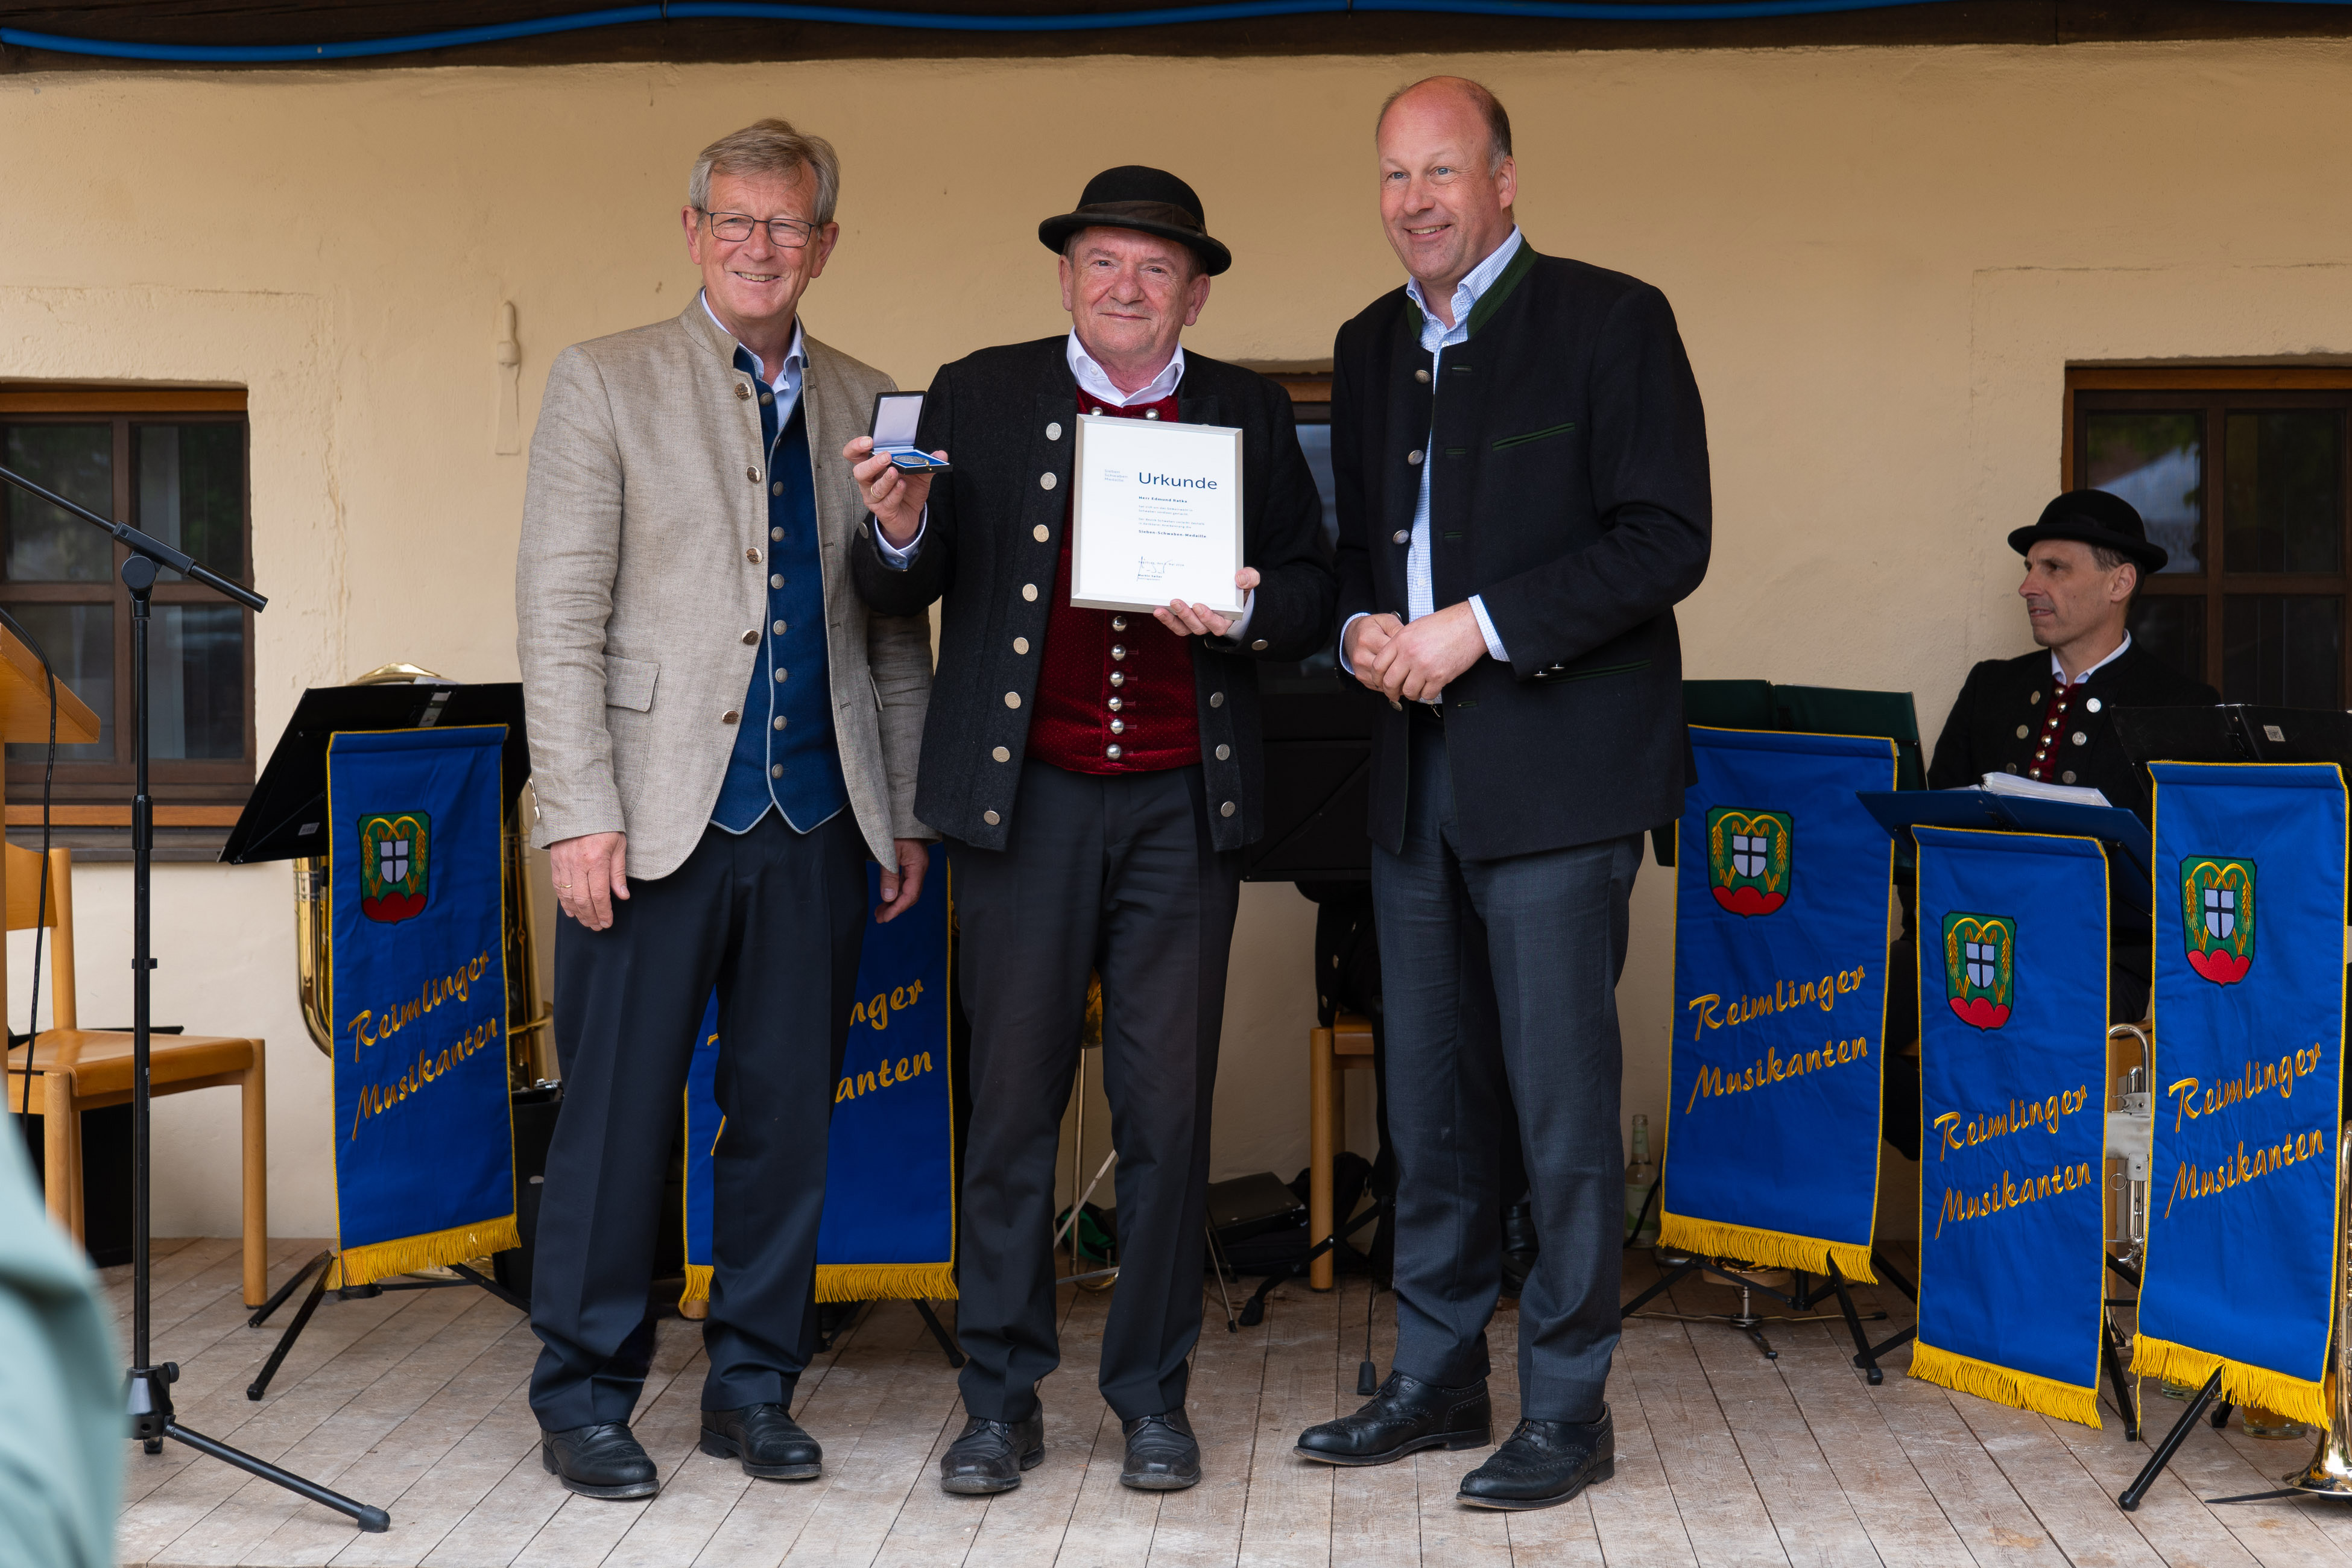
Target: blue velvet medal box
896, 416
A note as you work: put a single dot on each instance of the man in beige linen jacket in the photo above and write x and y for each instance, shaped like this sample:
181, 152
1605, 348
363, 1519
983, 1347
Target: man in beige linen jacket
721, 736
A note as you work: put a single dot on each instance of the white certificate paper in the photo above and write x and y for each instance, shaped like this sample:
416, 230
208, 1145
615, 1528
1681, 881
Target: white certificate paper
1156, 515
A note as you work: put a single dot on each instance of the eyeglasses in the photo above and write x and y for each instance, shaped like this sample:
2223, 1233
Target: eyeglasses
784, 233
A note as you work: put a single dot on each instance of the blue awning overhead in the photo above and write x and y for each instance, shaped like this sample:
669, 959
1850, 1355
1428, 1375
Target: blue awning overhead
260, 33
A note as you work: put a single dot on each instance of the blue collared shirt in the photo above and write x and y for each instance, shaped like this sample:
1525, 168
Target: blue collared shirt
1419, 595
786, 388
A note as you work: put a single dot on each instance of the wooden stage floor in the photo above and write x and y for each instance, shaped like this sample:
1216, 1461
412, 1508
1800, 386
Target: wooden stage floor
416, 1402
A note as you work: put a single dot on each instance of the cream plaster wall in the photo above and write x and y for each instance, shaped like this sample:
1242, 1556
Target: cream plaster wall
1882, 260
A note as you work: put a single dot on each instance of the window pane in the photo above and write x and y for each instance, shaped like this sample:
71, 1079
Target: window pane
79, 641
2285, 649
2283, 511
195, 682
45, 543
2157, 462
191, 491
2172, 629
1315, 442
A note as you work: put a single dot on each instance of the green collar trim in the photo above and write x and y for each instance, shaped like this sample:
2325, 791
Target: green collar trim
1518, 267
1492, 300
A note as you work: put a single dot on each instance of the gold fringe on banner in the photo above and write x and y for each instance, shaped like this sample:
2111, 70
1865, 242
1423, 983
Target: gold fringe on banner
884, 1281
2241, 1384
1776, 1249
365, 1265
697, 1284
2005, 1385
855, 1281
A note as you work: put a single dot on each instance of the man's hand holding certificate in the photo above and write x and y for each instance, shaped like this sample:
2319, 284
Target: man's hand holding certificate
1158, 518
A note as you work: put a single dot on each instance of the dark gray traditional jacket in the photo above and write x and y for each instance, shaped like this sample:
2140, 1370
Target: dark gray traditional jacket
1568, 489
995, 529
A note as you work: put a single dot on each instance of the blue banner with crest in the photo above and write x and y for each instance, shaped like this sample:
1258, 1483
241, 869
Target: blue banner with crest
1780, 1001
2244, 1239
2013, 1065
888, 1230
423, 1143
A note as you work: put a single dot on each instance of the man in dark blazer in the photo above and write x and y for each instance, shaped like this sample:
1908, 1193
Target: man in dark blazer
1521, 464
1097, 774
2050, 714
2040, 715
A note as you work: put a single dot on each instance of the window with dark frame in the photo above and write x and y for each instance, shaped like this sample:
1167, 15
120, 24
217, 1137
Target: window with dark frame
174, 464
2243, 476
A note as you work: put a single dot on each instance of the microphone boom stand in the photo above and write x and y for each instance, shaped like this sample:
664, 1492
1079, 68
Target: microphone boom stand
150, 1387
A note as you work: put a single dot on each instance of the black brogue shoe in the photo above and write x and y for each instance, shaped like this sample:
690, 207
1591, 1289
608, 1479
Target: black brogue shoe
766, 1438
1544, 1462
1404, 1417
989, 1456
601, 1460
1162, 1455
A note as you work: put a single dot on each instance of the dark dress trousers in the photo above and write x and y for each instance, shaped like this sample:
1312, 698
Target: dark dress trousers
695, 681
1567, 455
1131, 872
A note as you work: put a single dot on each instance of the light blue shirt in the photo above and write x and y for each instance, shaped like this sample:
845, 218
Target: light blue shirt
786, 388
1419, 595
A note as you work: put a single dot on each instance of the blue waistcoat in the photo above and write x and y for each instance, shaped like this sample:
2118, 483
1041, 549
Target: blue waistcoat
784, 750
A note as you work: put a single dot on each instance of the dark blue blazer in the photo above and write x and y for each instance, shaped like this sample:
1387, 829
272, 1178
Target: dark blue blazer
1568, 487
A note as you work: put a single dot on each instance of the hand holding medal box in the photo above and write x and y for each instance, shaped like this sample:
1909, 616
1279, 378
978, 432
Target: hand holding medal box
897, 416
1156, 515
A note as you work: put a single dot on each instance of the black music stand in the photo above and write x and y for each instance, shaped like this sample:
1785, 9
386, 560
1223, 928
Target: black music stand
286, 819
286, 816
149, 1400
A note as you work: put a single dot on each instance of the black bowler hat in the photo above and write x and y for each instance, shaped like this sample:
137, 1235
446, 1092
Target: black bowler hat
2096, 518
1150, 200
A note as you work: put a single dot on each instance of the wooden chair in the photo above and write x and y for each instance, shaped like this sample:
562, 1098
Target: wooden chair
1347, 1044
88, 1069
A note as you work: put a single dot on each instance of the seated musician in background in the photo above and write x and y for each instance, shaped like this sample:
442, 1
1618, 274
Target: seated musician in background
2049, 715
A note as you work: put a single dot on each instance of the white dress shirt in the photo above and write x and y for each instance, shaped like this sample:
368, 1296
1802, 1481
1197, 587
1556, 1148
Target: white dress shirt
1096, 386
2058, 671
1420, 593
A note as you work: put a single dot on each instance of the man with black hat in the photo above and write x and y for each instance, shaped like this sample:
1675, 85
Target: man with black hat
2049, 715
2039, 714
1097, 775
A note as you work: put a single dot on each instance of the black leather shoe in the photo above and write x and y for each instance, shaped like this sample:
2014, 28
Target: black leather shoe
599, 1460
1544, 1462
989, 1456
1404, 1417
1162, 1455
768, 1440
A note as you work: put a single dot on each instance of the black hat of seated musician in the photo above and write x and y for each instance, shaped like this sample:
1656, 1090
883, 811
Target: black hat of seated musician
2097, 518
1148, 201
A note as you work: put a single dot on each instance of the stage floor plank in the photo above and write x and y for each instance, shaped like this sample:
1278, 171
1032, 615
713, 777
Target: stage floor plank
416, 1401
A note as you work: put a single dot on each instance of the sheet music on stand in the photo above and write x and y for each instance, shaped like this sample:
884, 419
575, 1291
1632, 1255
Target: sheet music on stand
1899, 811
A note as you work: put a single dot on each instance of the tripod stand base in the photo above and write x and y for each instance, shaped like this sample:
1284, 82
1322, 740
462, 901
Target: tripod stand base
373, 1521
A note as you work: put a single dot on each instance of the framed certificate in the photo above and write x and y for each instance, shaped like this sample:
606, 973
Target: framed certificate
1155, 515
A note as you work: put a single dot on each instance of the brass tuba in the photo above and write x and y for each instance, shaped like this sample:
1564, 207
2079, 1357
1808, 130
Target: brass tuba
531, 1055
2330, 1470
